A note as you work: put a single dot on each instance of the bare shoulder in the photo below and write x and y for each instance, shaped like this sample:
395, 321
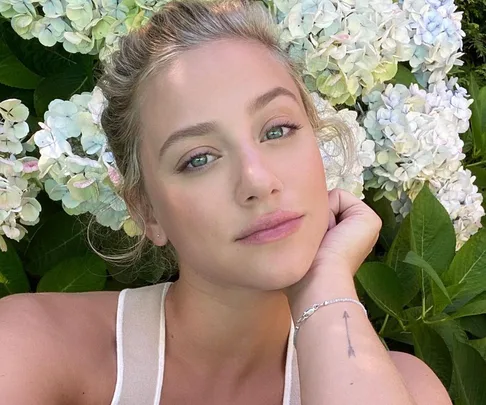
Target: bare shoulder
53, 347
421, 381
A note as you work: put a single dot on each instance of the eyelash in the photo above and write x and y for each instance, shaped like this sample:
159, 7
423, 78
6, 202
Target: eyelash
287, 124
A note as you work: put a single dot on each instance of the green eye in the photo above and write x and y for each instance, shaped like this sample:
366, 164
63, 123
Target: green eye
282, 130
200, 160
197, 162
276, 132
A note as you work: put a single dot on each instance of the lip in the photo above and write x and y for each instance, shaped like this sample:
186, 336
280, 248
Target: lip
271, 227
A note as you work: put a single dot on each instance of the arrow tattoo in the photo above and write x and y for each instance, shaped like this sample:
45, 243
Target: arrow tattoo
350, 348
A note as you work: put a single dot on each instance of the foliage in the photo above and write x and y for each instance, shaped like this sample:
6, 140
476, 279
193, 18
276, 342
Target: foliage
392, 71
475, 40
423, 289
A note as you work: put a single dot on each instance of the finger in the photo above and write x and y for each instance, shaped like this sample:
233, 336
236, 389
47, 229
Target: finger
344, 204
332, 220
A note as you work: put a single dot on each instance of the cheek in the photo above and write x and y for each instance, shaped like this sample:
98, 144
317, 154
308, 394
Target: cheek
190, 217
307, 170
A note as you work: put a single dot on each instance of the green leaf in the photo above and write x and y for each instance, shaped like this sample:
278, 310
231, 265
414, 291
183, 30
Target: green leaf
414, 259
382, 285
442, 302
476, 118
44, 61
431, 348
383, 209
60, 237
449, 329
470, 369
482, 103
13, 73
468, 269
12, 276
404, 76
432, 232
61, 86
480, 346
476, 306
480, 174
406, 273
26, 96
475, 325
76, 274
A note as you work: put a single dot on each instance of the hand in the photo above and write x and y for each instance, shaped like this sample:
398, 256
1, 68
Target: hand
352, 232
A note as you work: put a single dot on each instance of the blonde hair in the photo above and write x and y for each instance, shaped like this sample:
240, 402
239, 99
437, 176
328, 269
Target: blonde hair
180, 26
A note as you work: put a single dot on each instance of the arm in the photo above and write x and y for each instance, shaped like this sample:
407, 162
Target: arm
341, 358
342, 361
28, 370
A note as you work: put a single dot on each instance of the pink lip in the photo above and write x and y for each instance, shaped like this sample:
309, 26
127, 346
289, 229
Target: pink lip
271, 227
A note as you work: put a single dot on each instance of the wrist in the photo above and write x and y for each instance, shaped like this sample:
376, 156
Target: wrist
320, 287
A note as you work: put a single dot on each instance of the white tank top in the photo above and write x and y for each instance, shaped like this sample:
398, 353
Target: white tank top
140, 349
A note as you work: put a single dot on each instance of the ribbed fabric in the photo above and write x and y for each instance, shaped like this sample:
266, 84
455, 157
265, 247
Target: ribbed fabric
140, 337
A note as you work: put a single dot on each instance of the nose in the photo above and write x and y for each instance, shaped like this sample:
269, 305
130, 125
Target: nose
257, 181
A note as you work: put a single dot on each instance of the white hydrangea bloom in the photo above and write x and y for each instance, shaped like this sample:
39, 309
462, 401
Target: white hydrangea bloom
75, 165
347, 175
84, 26
49, 30
18, 174
416, 135
463, 202
435, 31
348, 47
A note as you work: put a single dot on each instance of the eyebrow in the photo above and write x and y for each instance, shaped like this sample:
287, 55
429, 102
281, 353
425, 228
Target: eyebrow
204, 128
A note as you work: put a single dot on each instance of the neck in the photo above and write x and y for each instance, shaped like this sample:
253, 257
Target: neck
224, 331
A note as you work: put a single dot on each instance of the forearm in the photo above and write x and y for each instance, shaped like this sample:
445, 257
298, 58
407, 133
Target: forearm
342, 360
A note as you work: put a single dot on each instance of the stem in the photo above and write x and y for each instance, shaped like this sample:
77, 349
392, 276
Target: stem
476, 164
401, 324
384, 343
423, 295
384, 324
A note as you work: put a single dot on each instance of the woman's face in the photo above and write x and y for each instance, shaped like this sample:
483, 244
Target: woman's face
250, 161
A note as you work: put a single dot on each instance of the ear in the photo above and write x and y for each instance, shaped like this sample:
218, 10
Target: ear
143, 214
155, 232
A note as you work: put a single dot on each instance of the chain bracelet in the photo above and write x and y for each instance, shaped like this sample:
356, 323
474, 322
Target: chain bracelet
311, 310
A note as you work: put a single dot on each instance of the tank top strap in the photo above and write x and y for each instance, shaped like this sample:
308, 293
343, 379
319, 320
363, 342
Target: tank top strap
140, 337
292, 382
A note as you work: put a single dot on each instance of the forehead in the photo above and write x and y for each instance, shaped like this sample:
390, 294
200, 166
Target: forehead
212, 82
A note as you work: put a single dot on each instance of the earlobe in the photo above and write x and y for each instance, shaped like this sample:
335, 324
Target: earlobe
156, 234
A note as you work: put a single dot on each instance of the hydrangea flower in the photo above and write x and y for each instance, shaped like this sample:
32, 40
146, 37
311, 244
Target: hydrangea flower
463, 202
18, 174
84, 26
435, 30
75, 165
347, 47
416, 134
347, 175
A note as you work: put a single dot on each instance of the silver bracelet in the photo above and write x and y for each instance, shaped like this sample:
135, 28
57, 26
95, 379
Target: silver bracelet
310, 311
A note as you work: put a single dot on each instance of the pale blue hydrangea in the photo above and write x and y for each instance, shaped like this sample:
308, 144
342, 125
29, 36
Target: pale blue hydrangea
435, 30
49, 30
84, 26
53, 8
75, 165
348, 47
416, 134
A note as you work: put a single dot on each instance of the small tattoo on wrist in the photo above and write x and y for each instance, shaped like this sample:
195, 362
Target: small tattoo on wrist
350, 348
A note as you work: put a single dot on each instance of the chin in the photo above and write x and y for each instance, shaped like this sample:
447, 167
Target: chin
280, 270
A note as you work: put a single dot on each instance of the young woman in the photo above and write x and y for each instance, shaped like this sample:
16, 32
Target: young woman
216, 138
